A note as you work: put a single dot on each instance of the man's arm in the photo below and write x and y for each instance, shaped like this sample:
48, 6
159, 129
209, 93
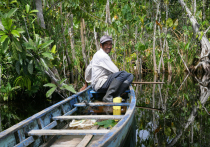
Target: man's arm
85, 86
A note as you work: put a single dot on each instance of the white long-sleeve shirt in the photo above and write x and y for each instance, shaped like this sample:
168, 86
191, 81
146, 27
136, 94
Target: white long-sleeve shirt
100, 67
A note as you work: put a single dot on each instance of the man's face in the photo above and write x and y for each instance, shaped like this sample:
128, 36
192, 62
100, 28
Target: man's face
107, 46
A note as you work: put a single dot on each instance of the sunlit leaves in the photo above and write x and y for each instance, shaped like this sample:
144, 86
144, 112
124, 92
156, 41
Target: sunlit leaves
49, 85
46, 44
53, 50
11, 12
169, 22
20, 30
175, 24
27, 8
2, 33
50, 92
33, 11
44, 63
53, 88
3, 38
15, 33
7, 23
69, 88
48, 55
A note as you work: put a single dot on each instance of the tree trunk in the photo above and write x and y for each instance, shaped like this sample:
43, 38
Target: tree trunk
204, 10
71, 34
154, 40
65, 46
108, 18
205, 45
169, 64
137, 54
83, 42
40, 13
161, 47
96, 39
194, 7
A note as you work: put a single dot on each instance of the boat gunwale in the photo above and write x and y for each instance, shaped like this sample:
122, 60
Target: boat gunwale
38, 115
121, 124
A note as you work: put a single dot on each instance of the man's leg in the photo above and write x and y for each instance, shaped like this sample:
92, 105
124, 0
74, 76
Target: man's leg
108, 82
127, 79
115, 85
111, 86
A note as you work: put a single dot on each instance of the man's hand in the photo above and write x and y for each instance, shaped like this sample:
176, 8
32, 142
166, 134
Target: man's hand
85, 86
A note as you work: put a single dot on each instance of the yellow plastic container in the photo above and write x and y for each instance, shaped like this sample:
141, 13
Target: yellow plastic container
117, 109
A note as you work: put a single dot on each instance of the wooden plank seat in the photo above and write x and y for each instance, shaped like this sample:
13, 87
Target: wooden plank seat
67, 132
101, 104
88, 117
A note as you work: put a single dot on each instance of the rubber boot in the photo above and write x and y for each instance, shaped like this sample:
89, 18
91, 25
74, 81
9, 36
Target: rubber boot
123, 87
113, 87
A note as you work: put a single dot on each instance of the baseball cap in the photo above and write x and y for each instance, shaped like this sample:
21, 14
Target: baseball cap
105, 38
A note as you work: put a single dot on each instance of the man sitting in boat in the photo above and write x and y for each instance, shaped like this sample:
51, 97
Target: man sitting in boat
104, 75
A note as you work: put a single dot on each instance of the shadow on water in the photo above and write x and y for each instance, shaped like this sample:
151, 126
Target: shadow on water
12, 112
184, 119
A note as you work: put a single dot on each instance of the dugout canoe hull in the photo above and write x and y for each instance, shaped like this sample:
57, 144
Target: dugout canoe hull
21, 134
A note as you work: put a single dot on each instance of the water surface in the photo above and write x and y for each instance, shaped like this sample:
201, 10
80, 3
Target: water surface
184, 119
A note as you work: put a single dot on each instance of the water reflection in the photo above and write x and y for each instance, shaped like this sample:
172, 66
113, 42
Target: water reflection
185, 118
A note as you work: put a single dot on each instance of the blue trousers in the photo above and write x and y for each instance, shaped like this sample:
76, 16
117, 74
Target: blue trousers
121, 76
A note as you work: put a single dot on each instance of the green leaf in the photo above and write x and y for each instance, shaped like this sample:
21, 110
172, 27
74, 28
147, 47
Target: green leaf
46, 44
5, 97
30, 67
169, 22
20, 30
11, 12
53, 50
48, 55
17, 67
106, 123
69, 88
33, 11
29, 44
27, 8
7, 23
44, 63
17, 44
176, 23
15, 33
49, 92
62, 80
15, 1
187, 46
14, 51
3, 38
167, 131
201, 35
2, 33
49, 85
5, 44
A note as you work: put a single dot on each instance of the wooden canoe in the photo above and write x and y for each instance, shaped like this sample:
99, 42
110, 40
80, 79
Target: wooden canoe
49, 127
